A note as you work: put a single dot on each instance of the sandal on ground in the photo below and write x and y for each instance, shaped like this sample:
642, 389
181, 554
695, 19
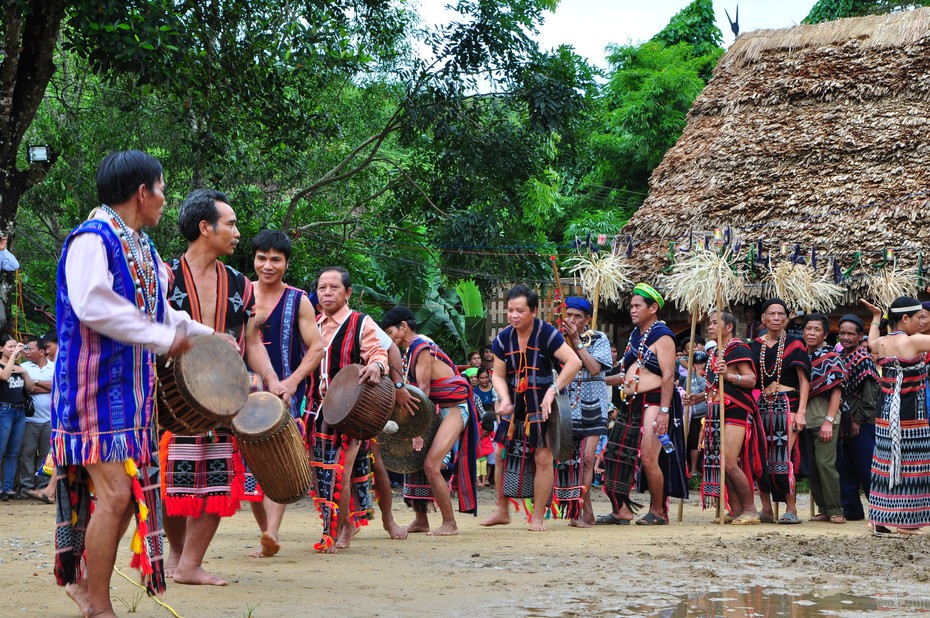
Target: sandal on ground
746, 520
765, 519
880, 530
820, 517
36, 495
789, 518
651, 519
727, 519
611, 520
837, 519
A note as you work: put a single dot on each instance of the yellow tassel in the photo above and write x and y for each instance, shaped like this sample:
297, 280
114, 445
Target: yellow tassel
74, 518
143, 511
136, 544
131, 469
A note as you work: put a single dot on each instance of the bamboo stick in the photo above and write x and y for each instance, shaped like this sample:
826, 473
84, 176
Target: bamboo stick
687, 421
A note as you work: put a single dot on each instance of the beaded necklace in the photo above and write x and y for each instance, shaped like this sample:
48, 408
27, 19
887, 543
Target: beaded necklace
141, 264
776, 370
640, 351
715, 361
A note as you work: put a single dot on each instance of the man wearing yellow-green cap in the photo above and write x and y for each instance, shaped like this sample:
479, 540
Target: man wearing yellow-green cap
653, 411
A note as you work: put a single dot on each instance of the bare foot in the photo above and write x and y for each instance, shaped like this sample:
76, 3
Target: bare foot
171, 564
537, 525
912, 531
448, 528
197, 577
349, 530
398, 533
81, 597
416, 527
270, 547
498, 518
580, 523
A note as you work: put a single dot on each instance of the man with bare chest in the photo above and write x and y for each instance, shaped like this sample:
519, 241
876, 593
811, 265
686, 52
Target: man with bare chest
201, 482
286, 322
653, 409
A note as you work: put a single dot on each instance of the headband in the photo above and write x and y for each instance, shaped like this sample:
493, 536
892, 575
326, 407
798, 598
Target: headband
649, 293
902, 310
578, 303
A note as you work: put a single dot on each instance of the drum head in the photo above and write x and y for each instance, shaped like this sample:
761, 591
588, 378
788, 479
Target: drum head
417, 424
262, 413
212, 375
342, 394
559, 429
397, 452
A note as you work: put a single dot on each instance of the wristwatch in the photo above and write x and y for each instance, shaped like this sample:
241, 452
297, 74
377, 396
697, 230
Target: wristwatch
398, 385
663, 410
579, 346
830, 419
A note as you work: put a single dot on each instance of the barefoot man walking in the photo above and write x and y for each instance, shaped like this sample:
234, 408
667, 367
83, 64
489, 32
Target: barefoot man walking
526, 354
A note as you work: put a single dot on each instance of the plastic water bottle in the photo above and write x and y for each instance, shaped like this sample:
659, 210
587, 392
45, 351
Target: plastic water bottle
667, 443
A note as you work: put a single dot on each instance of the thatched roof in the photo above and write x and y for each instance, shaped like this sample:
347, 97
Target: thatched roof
817, 135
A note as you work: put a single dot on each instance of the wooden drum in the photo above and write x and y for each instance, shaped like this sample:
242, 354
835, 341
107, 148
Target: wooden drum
357, 410
271, 445
201, 389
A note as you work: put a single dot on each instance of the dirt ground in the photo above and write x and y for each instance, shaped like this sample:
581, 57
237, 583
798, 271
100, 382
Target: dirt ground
761, 570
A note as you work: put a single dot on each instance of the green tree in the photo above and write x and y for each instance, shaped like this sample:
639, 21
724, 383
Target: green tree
828, 10
640, 113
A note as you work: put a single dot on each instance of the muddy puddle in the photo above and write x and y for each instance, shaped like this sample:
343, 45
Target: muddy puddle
760, 602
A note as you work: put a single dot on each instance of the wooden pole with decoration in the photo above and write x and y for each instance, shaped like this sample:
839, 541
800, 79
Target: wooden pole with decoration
701, 281
687, 421
721, 511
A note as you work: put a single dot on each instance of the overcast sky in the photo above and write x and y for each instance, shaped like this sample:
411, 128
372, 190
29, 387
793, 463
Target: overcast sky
590, 25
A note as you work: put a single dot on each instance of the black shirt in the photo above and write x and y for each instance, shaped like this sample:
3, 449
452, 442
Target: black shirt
11, 389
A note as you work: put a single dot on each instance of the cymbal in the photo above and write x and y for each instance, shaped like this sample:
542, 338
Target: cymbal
559, 429
397, 450
413, 425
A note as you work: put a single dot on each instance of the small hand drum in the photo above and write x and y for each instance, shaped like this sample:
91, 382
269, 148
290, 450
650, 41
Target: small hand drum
268, 438
203, 388
357, 410
559, 429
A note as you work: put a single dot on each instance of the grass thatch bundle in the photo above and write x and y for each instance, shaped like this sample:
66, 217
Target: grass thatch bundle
696, 278
606, 273
802, 288
887, 284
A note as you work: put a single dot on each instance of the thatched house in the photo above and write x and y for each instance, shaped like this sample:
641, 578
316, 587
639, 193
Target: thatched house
817, 136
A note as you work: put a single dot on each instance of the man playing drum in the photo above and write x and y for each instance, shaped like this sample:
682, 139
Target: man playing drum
526, 354
590, 400
286, 322
112, 319
438, 377
203, 474
341, 464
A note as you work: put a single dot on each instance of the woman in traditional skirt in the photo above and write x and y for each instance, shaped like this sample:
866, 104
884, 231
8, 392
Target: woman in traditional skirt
899, 496
784, 379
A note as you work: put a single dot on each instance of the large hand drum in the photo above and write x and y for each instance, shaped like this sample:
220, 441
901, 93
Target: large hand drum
357, 410
203, 388
559, 429
270, 443
397, 448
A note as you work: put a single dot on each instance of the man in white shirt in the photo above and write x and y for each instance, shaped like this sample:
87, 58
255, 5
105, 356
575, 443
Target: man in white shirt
37, 439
